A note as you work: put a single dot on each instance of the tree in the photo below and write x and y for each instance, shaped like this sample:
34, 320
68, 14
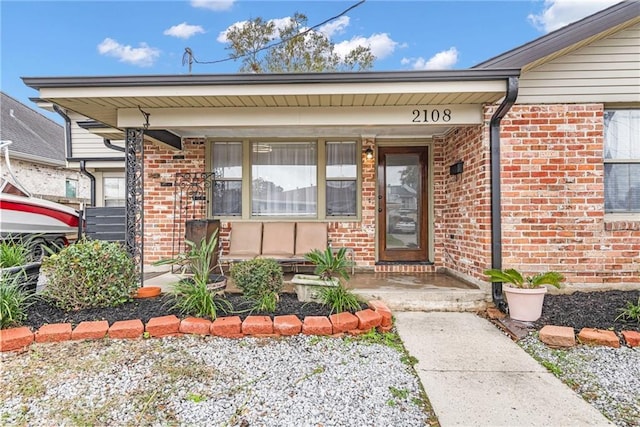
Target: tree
295, 48
409, 176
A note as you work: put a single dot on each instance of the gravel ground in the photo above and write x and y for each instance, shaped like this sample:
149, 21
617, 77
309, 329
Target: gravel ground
190, 380
290, 381
608, 378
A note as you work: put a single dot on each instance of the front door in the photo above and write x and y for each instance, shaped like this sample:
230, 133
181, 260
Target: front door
402, 204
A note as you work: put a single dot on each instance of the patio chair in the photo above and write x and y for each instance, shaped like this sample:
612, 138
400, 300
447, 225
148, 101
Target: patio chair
278, 239
310, 236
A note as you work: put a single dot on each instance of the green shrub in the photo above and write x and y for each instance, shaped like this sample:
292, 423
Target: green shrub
339, 299
192, 297
259, 280
90, 273
13, 302
14, 253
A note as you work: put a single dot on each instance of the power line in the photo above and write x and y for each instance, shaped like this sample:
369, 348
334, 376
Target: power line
189, 58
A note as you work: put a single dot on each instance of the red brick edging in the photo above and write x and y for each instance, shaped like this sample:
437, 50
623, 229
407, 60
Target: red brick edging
564, 336
377, 316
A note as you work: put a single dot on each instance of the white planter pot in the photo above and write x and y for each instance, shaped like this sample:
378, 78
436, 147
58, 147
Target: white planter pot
525, 304
309, 287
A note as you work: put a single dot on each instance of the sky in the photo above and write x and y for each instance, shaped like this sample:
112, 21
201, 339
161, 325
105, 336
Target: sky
104, 38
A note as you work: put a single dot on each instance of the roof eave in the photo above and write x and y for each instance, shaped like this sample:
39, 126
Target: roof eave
292, 78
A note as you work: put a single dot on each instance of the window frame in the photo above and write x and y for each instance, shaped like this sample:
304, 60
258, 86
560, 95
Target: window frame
104, 197
76, 187
321, 169
616, 215
241, 179
356, 179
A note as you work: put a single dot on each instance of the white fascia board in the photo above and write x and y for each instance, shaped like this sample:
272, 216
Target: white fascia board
423, 115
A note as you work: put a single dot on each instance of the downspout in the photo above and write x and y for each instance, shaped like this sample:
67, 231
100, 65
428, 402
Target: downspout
67, 129
496, 212
83, 171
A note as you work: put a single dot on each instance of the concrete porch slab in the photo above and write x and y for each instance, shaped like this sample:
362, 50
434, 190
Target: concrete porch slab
400, 291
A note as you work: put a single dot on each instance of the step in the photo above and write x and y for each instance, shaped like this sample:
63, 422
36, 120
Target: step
440, 299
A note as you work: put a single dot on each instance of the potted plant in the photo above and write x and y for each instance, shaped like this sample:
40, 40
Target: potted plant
329, 267
524, 294
197, 264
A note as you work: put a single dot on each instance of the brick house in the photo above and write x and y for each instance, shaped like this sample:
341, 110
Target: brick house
530, 159
37, 154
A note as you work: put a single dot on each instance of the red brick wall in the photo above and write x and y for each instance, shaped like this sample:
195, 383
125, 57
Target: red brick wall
161, 165
553, 197
462, 202
552, 200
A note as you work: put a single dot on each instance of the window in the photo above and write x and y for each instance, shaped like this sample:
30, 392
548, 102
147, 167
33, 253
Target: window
622, 161
300, 179
113, 191
342, 178
71, 188
284, 179
227, 189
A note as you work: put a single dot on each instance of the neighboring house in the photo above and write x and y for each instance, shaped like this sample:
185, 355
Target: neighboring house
528, 160
37, 155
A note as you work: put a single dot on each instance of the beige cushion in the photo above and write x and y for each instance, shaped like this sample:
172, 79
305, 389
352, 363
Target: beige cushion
278, 239
310, 236
246, 240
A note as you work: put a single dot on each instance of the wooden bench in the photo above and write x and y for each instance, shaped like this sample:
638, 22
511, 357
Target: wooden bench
285, 242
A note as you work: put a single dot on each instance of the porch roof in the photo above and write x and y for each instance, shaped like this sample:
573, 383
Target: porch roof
187, 104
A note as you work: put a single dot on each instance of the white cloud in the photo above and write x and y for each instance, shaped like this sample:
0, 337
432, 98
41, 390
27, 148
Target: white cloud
444, 60
335, 27
143, 56
183, 31
222, 37
558, 13
213, 4
381, 45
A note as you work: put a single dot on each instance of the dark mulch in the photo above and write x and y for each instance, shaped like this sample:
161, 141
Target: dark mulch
588, 310
578, 310
42, 312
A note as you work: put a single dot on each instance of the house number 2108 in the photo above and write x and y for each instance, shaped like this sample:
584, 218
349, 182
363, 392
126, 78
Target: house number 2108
427, 116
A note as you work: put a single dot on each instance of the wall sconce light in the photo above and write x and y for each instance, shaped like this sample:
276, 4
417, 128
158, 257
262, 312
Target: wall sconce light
368, 153
456, 168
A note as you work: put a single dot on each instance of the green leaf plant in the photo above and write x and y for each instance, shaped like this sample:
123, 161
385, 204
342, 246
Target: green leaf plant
514, 278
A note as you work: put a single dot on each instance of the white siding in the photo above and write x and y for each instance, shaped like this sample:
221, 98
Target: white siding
86, 144
606, 71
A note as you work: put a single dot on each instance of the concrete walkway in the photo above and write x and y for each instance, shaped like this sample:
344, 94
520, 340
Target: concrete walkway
474, 375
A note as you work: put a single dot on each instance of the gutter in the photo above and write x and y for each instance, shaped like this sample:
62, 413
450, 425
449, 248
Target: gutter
496, 212
270, 78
